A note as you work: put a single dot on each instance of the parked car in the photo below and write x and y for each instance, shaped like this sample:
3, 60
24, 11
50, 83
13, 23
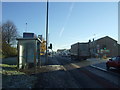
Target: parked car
113, 62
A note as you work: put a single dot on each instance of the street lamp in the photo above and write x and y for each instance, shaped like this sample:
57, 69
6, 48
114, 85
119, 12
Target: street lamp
47, 32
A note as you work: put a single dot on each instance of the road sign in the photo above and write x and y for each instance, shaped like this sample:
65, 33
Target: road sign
104, 51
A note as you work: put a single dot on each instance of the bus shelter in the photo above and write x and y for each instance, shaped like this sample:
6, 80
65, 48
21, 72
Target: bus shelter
28, 52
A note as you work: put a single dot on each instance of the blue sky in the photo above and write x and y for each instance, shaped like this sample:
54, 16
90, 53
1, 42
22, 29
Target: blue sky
69, 22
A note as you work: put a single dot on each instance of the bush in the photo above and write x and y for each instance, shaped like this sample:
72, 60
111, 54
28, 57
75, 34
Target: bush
8, 51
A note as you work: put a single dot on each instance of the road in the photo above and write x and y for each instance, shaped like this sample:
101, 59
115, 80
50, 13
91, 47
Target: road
75, 76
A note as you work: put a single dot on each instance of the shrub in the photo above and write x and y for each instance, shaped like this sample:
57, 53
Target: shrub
8, 51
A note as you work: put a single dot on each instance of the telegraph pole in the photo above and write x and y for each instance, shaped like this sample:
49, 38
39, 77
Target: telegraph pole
47, 33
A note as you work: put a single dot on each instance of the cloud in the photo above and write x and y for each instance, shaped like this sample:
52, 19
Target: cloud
61, 31
69, 13
68, 16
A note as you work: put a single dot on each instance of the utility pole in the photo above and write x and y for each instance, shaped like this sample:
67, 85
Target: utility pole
47, 33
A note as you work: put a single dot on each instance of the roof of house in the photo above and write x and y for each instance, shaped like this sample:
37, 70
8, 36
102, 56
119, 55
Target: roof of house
105, 37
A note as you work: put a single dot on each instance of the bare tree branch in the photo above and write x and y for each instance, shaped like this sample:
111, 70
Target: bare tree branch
9, 32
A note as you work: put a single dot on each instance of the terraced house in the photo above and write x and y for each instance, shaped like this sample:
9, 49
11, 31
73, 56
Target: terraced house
105, 46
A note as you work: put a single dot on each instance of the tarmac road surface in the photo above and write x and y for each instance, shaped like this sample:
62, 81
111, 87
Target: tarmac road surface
75, 76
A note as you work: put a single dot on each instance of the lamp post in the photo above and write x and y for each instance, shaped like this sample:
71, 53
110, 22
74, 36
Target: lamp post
47, 32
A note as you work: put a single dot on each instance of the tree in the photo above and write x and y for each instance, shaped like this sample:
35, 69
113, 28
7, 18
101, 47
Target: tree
9, 32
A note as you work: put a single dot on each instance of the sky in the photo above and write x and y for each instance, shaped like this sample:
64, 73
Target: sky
69, 22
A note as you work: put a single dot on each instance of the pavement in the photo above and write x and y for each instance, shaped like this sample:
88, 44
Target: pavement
102, 67
100, 64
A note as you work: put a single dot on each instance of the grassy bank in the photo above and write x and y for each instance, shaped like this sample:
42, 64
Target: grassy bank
11, 78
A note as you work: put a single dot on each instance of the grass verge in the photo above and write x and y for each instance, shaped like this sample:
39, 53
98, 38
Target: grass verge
11, 78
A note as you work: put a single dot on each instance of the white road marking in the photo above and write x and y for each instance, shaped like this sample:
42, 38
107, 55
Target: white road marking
98, 68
